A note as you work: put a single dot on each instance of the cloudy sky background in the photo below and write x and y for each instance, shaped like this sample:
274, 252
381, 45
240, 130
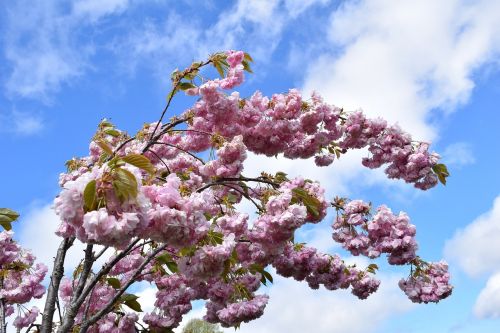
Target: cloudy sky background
431, 66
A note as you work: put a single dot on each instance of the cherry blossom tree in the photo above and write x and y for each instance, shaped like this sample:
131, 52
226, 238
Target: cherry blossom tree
162, 207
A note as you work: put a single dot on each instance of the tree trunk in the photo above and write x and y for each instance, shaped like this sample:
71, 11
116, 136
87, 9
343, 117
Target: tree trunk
55, 280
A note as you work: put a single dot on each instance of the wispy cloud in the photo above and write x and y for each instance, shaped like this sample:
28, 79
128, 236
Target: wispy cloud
44, 45
21, 123
459, 154
38, 48
95, 9
255, 26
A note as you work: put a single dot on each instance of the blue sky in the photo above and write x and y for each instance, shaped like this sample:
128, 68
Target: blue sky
431, 66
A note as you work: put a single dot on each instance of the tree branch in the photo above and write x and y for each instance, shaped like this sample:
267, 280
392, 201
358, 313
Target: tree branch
55, 280
92, 320
3, 326
183, 150
174, 90
224, 180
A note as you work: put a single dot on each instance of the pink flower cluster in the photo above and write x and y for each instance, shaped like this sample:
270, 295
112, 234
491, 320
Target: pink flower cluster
245, 311
208, 261
429, 283
306, 263
407, 160
27, 319
233, 303
21, 279
230, 160
173, 300
287, 124
116, 323
384, 233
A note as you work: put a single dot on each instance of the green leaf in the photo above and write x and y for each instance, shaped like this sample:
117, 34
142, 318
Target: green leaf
124, 184
89, 196
281, 177
219, 68
441, 172
13, 215
263, 280
131, 301
166, 259
6, 225
113, 282
172, 266
247, 57
372, 268
104, 146
246, 66
312, 203
113, 132
171, 94
215, 238
186, 85
7, 216
140, 161
267, 275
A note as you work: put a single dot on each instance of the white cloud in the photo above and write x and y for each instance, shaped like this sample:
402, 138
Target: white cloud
43, 46
401, 60
488, 302
459, 154
21, 123
27, 124
41, 49
294, 308
476, 248
256, 26
95, 9
296, 8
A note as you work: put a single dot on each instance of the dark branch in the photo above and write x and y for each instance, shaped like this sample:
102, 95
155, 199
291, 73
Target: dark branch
55, 280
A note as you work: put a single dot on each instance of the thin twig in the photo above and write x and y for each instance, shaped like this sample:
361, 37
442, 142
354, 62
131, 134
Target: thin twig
173, 91
97, 256
183, 150
222, 181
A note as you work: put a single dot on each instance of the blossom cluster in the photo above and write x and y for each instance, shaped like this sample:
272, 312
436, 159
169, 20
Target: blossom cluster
156, 188
21, 280
428, 283
394, 235
384, 233
306, 263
